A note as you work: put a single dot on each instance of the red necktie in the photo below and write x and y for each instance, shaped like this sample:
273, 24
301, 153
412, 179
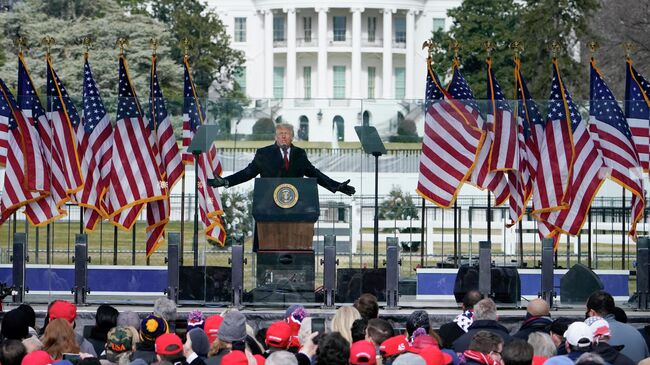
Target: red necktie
286, 160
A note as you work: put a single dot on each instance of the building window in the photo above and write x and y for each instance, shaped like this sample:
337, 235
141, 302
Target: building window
303, 129
366, 118
306, 24
438, 24
240, 29
372, 28
339, 29
339, 82
400, 29
400, 82
338, 124
278, 82
240, 78
371, 82
306, 77
278, 29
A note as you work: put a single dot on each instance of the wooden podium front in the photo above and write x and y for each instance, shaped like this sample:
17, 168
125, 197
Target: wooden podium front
285, 236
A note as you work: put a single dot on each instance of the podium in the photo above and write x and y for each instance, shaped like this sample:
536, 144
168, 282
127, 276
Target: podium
285, 210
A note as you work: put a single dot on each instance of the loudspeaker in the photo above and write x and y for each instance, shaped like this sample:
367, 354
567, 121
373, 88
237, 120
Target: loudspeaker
209, 284
284, 277
578, 284
351, 283
506, 284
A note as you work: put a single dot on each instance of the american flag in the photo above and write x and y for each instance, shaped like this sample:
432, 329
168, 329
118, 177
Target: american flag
209, 165
63, 117
449, 147
615, 143
637, 112
586, 176
552, 184
95, 137
505, 152
482, 177
171, 165
135, 177
48, 176
20, 156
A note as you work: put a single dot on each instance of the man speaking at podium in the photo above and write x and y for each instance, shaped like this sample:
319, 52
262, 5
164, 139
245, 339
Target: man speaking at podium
282, 159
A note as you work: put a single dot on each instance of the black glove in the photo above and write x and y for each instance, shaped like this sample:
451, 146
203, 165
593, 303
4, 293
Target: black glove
345, 188
218, 181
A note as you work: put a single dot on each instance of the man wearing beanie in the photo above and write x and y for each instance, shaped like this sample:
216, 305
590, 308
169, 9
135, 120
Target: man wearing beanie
232, 331
68, 311
151, 328
196, 347
169, 348
15, 325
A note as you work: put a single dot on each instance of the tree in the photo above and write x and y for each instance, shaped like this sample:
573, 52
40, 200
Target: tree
237, 208
397, 206
263, 129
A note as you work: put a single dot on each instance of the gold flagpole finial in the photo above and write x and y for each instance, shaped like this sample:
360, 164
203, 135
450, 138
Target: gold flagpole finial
186, 47
122, 43
628, 46
428, 44
517, 47
48, 42
555, 48
87, 42
456, 46
20, 42
593, 46
489, 46
154, 43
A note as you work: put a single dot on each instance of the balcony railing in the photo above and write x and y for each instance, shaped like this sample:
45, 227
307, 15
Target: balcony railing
307, 42
335, 41
374, 42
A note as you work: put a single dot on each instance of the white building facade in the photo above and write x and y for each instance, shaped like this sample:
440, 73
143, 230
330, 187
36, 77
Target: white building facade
327, 66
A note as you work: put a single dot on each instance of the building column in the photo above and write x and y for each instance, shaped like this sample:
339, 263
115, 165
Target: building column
410, 53
387, 65
356, 53
322, 52
291, 53
268, 53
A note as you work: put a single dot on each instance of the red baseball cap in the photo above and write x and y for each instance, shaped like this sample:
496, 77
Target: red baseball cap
363, 352
424, 341
211, 326
432, 355
235, 358
169, 344
259, 359
63, 309
39, 357
278, 335
394, 346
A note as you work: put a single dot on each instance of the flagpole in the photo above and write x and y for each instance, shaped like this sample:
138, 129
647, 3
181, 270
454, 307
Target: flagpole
423, 218
182, 219
623, 235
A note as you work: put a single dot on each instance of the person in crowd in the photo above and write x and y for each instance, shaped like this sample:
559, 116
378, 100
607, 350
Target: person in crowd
195, 319
199, 343
278, 337
12, 352
362, 352
119, 346
450, 332
165, 308
169, 347
393, 347
38, 357
378, 331
31, 318
333, 349
59, 339
578, 340
343, 319
358, 329
211, 327
231, 335
484, 348
281, 358
15, 325
235, 357
601, 304
620, 315
68, 311
294, 316
485, 319
428, 348
128, 319
151, 328
367, 306
105, 319
557, 329
409, 358
517, 352
417, 319
543, 347
538, 319
590, 358
601, 335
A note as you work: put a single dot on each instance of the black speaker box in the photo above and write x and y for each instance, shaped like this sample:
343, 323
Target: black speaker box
351, 283
578, 284
284, 276
209, 284
506, 284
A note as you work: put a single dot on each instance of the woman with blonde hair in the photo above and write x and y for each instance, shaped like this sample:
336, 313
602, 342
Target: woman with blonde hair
343, 319
59, 338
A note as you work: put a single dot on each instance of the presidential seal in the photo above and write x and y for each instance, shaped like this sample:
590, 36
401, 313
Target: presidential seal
285, 196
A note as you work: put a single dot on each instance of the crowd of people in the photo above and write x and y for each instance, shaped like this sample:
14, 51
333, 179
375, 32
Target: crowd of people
356, 336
